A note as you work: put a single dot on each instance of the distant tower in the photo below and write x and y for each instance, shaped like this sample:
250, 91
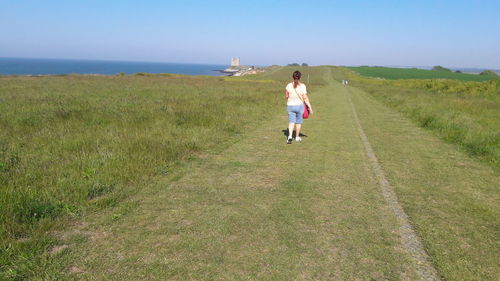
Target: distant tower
235, 62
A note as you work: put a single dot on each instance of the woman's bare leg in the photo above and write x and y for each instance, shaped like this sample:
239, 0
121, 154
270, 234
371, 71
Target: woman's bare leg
297, 130
290, 129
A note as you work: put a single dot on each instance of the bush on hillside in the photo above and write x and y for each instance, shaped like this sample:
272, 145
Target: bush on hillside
304, 64
293, 64
440, 68
489, 72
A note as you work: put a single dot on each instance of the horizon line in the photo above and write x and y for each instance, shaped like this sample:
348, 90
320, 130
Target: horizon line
425, 67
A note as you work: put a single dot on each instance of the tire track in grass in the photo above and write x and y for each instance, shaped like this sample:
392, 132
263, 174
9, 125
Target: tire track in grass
409, 238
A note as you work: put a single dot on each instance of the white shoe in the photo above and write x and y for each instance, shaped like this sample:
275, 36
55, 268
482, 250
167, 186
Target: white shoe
298, 139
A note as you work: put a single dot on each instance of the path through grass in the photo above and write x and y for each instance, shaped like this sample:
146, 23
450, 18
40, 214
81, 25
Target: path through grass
264, 210
451, 199
260, 210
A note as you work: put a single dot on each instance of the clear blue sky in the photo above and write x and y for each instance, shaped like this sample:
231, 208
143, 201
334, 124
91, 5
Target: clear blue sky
453, 33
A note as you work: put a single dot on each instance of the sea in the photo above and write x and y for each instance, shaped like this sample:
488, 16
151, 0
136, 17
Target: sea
29, 66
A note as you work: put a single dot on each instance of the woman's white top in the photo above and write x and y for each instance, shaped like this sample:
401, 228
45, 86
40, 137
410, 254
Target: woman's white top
293, 98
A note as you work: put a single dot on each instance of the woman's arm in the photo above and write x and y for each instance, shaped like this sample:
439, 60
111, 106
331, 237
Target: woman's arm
308, 103
287, 94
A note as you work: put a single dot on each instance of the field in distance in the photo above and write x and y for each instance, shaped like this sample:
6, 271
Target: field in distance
414, 73
460, 112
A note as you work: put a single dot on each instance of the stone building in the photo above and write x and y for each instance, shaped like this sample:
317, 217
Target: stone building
235, 62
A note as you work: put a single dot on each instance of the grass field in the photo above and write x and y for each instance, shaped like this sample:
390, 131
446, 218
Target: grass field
468, 118
451, 198
198, 195
413, 73
253, 212
71, 143
314, 76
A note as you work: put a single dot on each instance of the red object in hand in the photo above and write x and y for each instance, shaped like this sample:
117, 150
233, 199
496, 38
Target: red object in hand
306, 112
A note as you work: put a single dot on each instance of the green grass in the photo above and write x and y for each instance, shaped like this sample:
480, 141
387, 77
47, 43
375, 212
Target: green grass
413, 73
442, 86
284, 75
255, 212
450, 197
176, 177
468, 120
73, 143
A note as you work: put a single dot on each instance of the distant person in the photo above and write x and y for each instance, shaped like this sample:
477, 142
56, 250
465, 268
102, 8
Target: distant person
296, 95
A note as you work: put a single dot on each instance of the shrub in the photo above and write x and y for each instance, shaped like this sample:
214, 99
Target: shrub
489, 72
440, 68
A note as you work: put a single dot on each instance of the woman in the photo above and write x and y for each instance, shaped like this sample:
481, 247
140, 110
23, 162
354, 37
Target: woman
296, 95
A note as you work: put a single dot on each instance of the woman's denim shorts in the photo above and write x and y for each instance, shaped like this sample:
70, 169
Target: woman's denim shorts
295, 113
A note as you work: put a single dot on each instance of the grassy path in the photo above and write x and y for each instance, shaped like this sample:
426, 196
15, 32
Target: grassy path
263, 210
409, 238
451, 199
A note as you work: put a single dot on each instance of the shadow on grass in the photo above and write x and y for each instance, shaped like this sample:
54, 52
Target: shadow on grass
285, 132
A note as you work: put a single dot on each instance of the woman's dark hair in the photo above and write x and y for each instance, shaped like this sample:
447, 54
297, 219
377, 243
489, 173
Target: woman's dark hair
296, 77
